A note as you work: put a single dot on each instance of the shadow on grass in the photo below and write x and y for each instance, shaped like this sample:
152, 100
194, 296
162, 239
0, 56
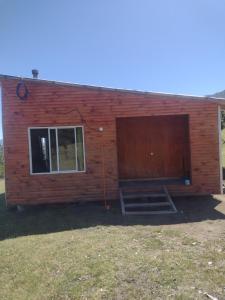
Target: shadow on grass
54, 218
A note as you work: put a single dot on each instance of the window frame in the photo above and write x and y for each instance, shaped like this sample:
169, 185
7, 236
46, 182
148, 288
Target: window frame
50, 162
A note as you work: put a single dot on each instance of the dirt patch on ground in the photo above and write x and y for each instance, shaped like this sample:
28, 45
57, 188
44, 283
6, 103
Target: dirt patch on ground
203, 218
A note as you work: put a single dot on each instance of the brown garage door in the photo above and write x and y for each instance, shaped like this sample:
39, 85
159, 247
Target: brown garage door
153, 147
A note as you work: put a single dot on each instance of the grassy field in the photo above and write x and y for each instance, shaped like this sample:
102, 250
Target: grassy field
83, 252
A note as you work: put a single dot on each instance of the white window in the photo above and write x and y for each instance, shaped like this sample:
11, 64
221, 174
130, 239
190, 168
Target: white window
56, 149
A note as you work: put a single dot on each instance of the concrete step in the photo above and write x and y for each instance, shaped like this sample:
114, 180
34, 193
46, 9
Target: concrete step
143, 195
153, 204
161, 212
145, 206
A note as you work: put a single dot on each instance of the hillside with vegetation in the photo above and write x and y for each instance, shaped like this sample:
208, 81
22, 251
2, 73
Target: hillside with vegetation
219, 94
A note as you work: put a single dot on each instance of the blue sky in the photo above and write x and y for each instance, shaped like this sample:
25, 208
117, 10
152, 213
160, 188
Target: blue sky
175, 46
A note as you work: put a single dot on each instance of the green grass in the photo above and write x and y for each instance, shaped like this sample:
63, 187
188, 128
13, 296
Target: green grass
79, 252
2, 186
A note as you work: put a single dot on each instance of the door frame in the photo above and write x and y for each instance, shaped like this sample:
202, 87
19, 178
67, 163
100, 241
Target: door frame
172, 179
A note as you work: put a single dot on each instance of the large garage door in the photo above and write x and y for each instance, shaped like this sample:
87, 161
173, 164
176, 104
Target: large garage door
153, 147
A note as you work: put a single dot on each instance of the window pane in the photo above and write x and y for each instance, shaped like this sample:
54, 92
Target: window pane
80, 148
66, 145
39, 150
53, 149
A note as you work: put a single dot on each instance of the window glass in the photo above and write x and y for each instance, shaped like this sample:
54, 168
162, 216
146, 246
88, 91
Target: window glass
40, 150
80, 150
53, 150
66, 149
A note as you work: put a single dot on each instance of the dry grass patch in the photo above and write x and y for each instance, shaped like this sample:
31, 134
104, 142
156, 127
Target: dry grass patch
66, 253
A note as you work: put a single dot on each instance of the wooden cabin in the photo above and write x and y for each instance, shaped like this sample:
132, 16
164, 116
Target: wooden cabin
68, 142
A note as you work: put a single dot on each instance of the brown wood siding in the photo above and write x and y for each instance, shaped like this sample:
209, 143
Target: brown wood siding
58, 105
153, 147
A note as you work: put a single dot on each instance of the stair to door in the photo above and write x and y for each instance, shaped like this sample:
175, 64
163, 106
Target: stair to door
146, 200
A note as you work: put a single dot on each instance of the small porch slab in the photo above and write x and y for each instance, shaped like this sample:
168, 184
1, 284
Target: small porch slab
145, 183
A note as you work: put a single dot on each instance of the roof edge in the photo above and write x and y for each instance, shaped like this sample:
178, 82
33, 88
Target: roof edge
63, 83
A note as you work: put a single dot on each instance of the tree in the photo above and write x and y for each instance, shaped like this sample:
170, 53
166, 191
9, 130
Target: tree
222, 119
